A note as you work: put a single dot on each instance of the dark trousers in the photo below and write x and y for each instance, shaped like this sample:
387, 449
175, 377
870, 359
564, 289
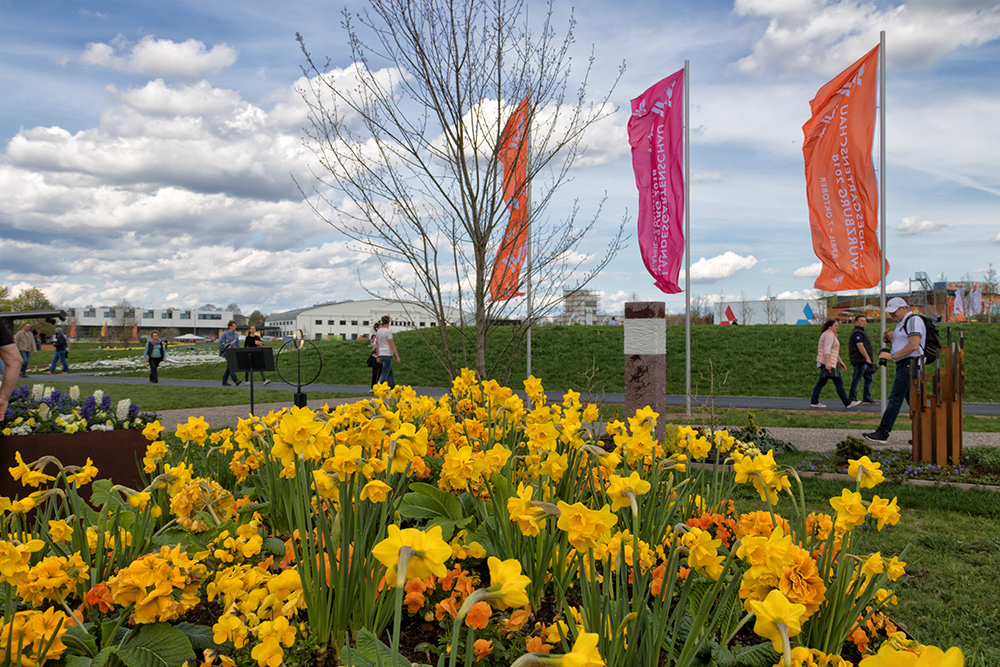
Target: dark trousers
376, 369
838, 383
154, 364
861, 373
900, 392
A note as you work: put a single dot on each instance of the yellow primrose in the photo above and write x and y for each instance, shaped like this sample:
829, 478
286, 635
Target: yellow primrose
930, 656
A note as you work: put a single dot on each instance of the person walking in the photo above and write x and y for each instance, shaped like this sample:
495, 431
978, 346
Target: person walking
155, 352
253, 340
229, 339
373, 360
386, 351
62, 351
859, 352
829, 363
907, 343
25, 341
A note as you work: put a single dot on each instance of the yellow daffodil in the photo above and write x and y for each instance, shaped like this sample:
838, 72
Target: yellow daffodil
777, 619
887, 512
507, 585
851, 511
623, 490
429, 552
584, 526
375, 491
152, 430
866, 471
83, 474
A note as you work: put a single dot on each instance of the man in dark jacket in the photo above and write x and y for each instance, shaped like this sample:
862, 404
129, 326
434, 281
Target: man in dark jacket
859, 351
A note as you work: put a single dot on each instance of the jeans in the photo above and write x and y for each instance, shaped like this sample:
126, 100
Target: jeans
60, 355
386, 375
25, 357
859, 373
228, 374
838, 382
900, 391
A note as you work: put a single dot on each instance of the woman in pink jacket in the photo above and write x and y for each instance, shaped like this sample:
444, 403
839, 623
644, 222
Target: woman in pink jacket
829, 363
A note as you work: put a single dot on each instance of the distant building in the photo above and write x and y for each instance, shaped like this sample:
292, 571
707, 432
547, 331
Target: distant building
351, 320
89, 321
580, 307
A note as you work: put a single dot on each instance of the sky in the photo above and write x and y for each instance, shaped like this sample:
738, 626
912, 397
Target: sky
151, 149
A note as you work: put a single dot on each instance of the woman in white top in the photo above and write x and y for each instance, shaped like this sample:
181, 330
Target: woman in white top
829, 363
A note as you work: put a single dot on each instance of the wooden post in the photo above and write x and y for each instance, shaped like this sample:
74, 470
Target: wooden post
646, 360
936, 416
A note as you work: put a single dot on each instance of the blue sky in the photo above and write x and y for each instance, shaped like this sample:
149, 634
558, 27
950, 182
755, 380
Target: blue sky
149, 148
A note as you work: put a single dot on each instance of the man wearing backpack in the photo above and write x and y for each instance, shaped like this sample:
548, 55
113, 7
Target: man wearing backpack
907, 345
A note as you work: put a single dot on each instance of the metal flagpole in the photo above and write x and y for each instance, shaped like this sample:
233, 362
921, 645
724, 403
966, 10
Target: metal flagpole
527, 241
881, 195
687, 238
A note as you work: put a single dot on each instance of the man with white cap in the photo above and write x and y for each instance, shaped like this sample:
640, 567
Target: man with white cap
907, 344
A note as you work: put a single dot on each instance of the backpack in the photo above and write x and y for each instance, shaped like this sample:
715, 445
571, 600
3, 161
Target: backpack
932, 340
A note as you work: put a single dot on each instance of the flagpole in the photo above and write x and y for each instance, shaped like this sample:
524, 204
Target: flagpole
881, 195
527, 232
687, 239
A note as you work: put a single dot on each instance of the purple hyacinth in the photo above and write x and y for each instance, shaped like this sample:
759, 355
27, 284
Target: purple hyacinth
133, 411
106, 403
89, 406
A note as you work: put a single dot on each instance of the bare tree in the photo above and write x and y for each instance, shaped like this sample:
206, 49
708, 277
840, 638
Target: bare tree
745, 308
408, 139
121, 328
771, 311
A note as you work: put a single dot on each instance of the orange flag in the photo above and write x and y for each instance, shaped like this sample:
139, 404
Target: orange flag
104, 329
135, 332
72, 330
513, 153
840, 179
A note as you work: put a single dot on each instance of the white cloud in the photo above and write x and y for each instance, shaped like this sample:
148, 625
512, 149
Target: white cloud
798, 294
721, 266
913, 225
160, 57
810, 271
995, 239
769, 271
707, 177
825, 36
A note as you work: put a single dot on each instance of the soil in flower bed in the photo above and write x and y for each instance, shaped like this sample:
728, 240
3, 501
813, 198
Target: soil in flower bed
980, 465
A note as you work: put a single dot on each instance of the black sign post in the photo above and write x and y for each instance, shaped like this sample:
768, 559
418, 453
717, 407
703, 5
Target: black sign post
248, 360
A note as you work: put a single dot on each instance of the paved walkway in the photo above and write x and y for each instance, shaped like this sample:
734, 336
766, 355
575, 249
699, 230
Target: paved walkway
810, 439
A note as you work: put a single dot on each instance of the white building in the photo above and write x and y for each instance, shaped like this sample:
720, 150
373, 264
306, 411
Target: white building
770, 311
351, 320
90, 320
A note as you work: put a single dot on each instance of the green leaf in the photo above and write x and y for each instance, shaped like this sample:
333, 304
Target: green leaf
200, 636
723, 657
351, 656
156, 645
429, 502
102, 658
370, 647
78, 661
761, 655
78, 634
273, 545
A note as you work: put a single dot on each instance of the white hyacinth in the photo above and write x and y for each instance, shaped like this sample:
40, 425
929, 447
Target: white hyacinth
102, 427
98, 396
48, 392
36, 391
122, 411
74, 393
44, 411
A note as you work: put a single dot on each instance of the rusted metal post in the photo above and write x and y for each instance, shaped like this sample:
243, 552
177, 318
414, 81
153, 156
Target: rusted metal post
936, 415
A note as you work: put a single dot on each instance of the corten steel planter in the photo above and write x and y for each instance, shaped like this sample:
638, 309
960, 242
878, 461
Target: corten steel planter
117, 455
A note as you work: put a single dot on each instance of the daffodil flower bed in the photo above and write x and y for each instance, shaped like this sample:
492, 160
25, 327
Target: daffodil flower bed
41, 409
496, 529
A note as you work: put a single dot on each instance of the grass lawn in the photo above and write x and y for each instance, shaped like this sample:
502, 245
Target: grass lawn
948, 595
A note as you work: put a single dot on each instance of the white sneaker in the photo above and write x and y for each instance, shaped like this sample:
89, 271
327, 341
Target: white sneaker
854, 404
816, 405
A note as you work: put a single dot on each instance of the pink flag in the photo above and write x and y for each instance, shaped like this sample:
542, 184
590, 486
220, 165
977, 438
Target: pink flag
656, 132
